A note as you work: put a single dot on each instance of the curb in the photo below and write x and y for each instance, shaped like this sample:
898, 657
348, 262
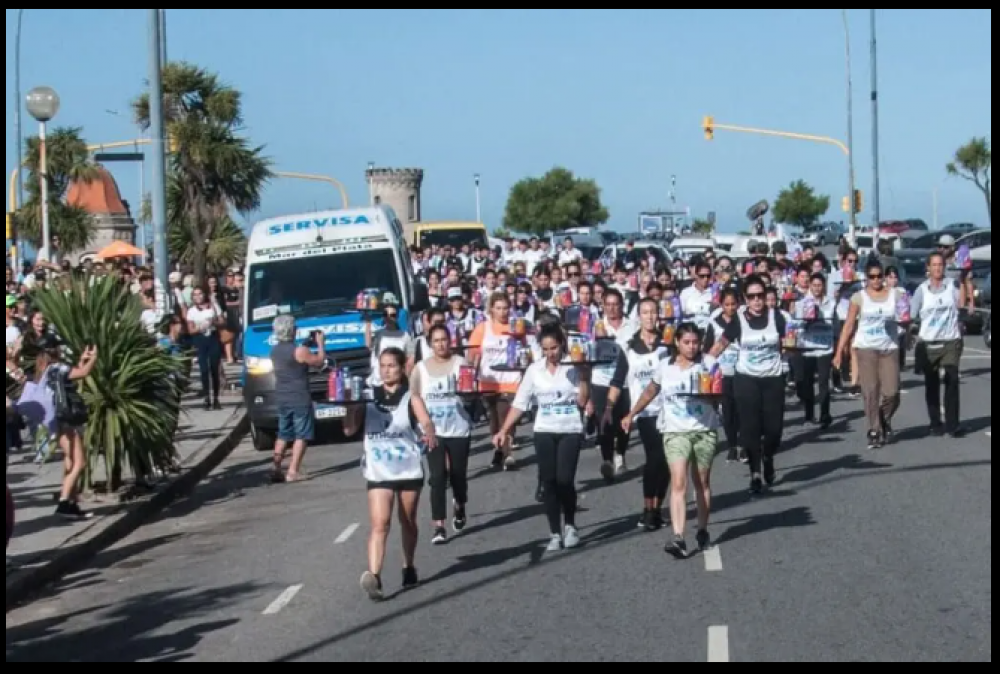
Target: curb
72, 554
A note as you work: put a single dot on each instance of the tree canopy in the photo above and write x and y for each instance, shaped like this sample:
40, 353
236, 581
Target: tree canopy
973, 162
67, 161
556, 202
213, 168
799, 205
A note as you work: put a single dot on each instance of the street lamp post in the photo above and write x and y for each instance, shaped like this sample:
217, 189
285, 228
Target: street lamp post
43, 105
850, 130
158, 155
371, 184
19, 133
479, 201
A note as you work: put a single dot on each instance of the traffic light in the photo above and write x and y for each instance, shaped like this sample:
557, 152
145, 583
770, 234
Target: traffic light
846, 205
709, 125
859, 201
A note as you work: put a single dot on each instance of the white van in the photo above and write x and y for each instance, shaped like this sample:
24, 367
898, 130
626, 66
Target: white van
313, 267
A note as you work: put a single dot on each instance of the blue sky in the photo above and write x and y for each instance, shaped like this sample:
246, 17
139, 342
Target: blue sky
614, 95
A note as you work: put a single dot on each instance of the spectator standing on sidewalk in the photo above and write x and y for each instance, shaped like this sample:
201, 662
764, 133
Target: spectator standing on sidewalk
296, 425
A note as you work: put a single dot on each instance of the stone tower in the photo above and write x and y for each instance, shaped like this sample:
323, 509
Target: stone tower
113, 220
400, 190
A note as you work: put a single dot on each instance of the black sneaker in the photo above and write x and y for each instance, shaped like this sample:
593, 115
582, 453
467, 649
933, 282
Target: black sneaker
460, 520
704, 540
937, 431
72, 512
649, 521
440, 536
874, 441
659, 519
756, 486
733, 457
956, 434
769, 472
410, 579
677, 548
498, 459
888, 435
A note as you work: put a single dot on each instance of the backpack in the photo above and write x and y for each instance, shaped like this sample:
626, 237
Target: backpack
71, 410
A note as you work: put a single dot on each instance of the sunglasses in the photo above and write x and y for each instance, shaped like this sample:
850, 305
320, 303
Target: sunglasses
705, 277
875, 277
853, 261
757, 296
392, 317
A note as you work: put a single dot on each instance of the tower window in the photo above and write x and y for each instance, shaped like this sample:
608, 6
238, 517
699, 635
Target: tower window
378, 201
413, 208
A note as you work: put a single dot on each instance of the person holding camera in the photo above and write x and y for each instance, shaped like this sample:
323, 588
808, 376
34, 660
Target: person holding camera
296, 424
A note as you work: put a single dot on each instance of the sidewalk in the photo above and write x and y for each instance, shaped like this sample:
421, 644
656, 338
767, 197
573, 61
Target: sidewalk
44, 547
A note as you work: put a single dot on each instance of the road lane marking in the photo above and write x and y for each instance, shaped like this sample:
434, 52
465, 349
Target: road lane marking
283, 601
718, 645
713, 560
346, 536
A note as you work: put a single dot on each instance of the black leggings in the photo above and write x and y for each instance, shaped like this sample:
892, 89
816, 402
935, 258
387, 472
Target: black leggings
762, 417
558, 458
457, 449
814, 375
730, 413
656, 476
613, 439
210, 363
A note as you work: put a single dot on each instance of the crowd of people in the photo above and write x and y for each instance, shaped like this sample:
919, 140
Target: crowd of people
758, 331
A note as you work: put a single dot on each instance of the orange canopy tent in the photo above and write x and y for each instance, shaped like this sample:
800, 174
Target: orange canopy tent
120, 249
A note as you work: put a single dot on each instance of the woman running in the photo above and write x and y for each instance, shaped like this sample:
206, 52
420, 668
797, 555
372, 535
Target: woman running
435, 395
690, 435
637, 368
876, 347
488, 349
393, 466
936, 305
561, 392
818, 313
727, 363
760, 380
615, 332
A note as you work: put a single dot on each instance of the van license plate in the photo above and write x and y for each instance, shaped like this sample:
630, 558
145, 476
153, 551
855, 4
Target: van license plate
327, 413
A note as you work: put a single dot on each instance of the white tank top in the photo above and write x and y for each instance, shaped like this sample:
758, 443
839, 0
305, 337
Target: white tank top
939, 315
877, 326
759, 350
393, 451
684, 415
729, 357
495, 355
445, 407
642, 371
611, 349
697, 306
818, 337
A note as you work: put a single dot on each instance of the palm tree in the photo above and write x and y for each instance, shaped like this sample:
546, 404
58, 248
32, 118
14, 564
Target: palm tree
212, 168
68, 161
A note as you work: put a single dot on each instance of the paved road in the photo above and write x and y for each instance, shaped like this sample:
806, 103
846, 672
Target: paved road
855, 557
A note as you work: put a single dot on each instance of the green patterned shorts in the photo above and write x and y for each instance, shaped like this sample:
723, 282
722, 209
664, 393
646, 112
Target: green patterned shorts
697, 449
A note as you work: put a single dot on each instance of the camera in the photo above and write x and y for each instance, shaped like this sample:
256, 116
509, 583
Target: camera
316, 337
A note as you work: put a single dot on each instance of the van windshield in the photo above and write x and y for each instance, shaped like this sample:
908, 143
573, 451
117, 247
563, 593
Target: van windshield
456, 238
316, 287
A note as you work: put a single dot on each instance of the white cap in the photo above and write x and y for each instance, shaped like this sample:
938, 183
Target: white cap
455, 294
947, 241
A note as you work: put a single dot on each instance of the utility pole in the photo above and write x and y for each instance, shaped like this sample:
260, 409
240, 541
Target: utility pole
876, 186
163, 38
850, 130
158, 158
18, 253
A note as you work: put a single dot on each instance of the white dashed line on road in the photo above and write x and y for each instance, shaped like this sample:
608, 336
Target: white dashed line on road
713, 560
283, 601
718, 645
346, 536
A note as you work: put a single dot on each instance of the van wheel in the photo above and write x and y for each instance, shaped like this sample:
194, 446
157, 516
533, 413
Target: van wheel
263, 441
988, 333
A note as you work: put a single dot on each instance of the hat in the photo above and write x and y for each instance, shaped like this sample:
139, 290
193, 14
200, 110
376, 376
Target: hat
11, 301
947, 241
455, 294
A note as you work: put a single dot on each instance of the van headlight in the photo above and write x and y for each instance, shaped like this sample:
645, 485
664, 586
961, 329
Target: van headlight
259, 366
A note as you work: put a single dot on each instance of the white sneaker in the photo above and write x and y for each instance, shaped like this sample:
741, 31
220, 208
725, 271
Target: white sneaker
571, 538
620, 465
556, 544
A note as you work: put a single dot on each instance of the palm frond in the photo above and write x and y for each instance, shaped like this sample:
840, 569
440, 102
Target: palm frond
131, 395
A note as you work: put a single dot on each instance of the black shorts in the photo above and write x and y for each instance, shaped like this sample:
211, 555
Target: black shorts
397, 487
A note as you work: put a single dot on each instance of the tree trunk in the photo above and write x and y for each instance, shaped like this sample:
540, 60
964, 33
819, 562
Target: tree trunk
989, 211
199, 259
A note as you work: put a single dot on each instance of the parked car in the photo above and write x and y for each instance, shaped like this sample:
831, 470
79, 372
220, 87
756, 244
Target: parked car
960, 229
826, 234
